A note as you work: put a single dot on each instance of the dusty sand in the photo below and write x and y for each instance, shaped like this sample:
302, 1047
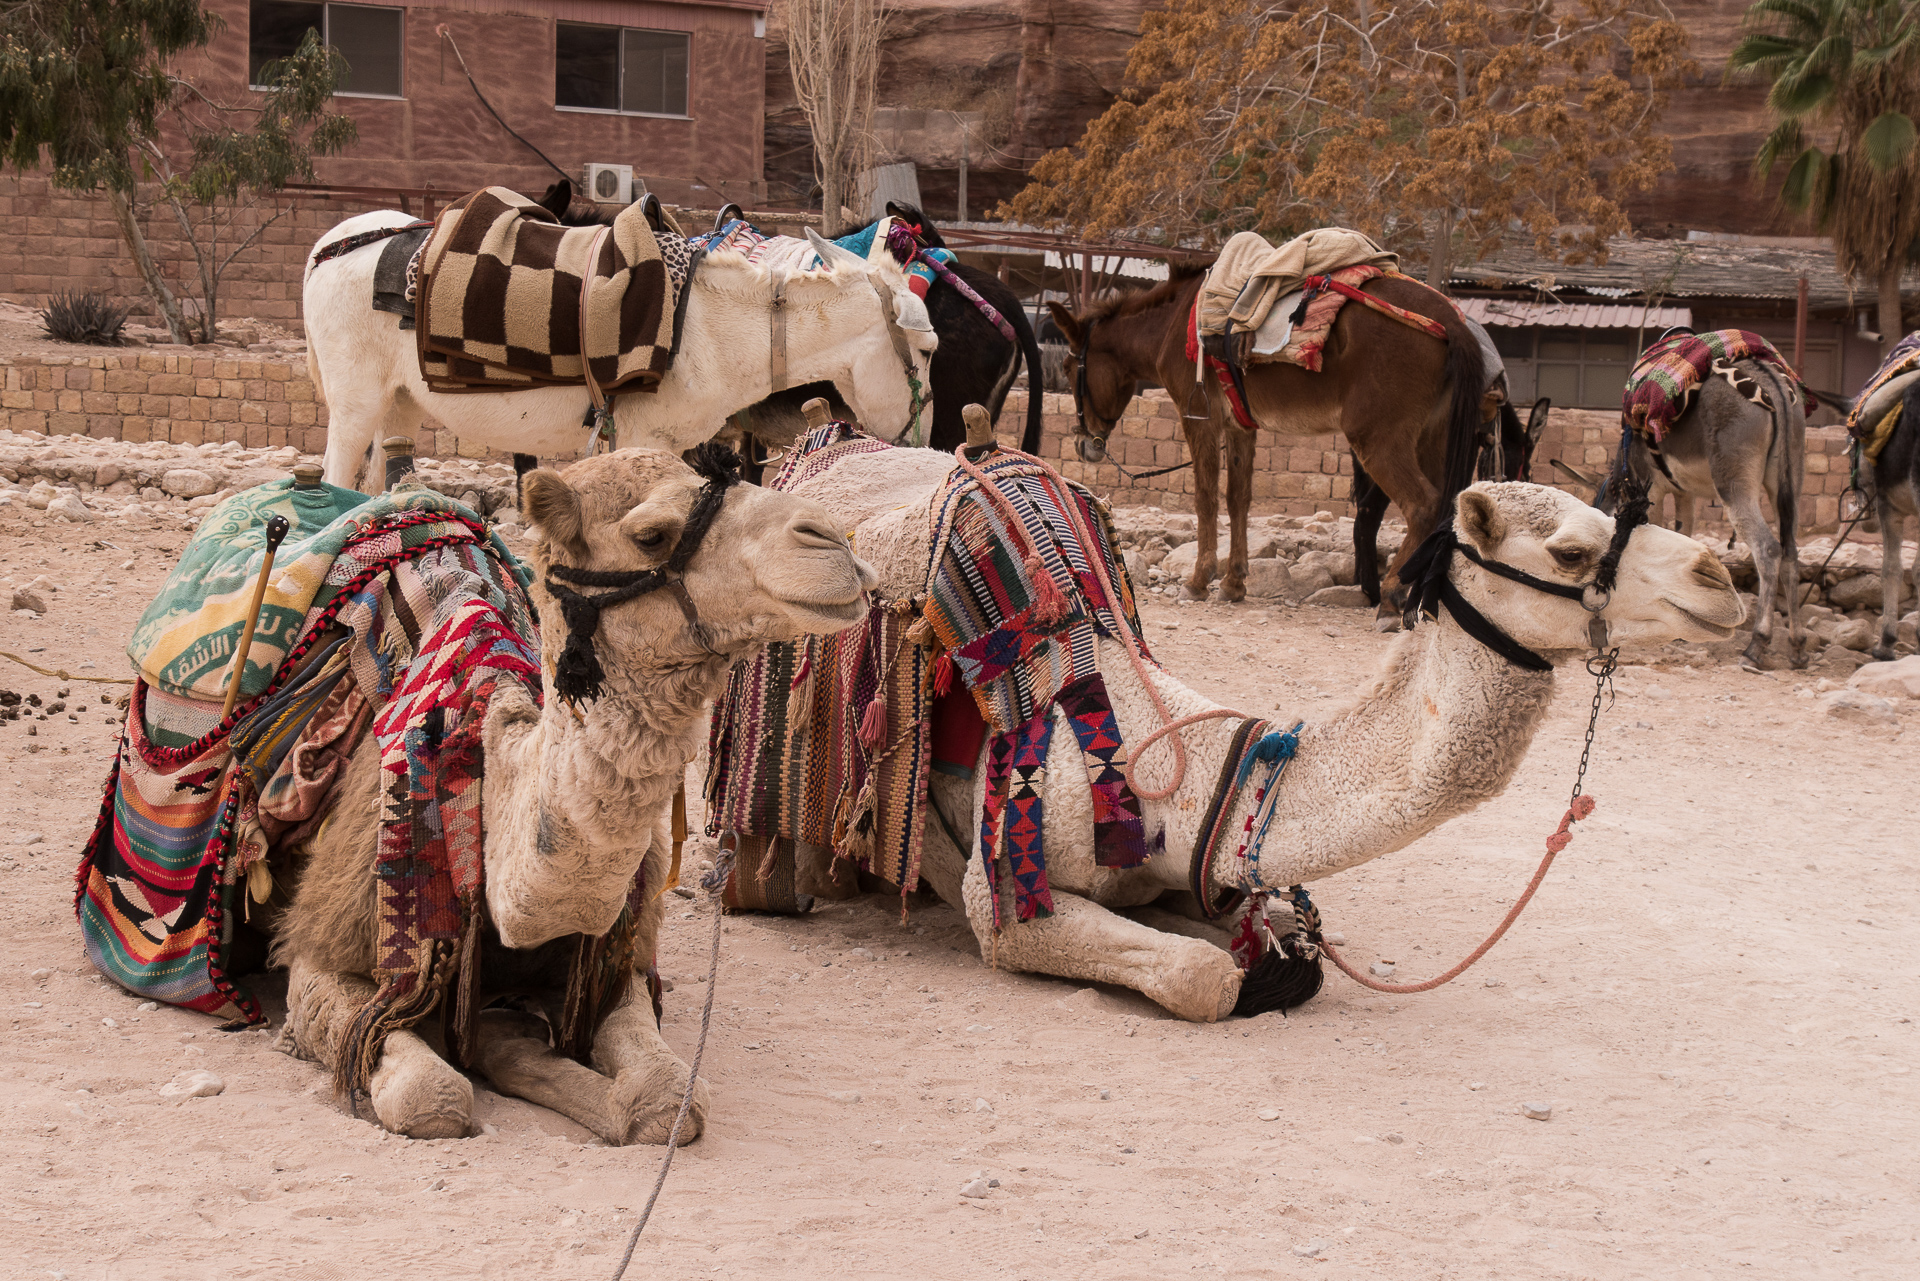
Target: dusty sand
1729, 1067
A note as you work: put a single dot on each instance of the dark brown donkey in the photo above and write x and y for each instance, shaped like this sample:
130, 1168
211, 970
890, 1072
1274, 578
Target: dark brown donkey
1410, 405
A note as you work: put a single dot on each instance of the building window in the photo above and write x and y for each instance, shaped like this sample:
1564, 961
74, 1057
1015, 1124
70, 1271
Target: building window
368, 37
620, 69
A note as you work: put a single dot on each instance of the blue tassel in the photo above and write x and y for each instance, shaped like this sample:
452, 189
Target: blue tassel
1272, 748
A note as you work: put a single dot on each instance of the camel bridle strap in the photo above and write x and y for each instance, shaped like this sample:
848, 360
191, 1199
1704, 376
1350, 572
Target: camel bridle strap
903, 352
578, 676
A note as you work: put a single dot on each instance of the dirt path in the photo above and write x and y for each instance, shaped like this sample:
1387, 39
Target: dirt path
1714, 991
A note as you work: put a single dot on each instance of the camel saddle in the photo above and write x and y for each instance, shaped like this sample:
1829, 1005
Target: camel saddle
1876, 410
509, 299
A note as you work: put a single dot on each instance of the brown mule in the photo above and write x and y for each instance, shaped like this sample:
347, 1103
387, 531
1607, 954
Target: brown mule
1410, 405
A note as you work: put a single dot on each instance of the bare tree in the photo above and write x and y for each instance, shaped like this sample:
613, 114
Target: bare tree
835, 50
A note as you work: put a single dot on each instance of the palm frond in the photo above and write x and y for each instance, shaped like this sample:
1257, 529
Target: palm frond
1802, 94
1786, 139
1888, 141
1808, 182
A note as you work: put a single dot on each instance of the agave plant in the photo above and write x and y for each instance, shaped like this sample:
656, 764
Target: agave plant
90, 318
1851, 69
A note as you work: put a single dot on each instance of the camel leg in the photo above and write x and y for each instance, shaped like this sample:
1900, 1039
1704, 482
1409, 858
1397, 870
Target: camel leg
648, 1078
1192, 979
620, 1103
1240, 443
1203, 447
413, 1090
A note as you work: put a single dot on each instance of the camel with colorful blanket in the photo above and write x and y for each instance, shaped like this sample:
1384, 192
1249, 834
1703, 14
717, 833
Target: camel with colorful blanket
434, 804
999, 726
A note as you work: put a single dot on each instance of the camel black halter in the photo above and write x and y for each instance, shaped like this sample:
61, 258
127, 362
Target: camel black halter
1427, 572
578, 676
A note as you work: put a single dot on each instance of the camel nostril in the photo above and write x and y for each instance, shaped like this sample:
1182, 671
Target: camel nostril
812, 533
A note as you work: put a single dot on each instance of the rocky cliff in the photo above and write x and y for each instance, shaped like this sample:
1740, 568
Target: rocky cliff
1038, 70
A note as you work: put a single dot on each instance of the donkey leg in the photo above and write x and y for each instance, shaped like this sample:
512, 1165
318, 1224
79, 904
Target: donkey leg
1890, 583
1240, 443
1203, 447
1750, 523
414, 1091
1193, 980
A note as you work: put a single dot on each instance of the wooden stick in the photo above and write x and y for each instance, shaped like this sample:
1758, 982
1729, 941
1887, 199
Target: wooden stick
276, 530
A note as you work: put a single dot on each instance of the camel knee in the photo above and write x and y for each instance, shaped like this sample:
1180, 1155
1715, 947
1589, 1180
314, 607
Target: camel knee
417, 1093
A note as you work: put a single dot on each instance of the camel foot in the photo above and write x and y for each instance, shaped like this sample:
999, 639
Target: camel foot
643, 1103
417, 1093
1197, 982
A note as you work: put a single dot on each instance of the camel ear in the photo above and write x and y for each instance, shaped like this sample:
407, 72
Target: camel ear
1537, 420
1069, 327
1478, 520
551, 503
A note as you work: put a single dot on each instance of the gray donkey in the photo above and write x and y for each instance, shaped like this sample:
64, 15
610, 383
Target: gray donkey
1730, 449
1892, 485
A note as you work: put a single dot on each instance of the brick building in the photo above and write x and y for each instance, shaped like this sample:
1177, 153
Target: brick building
673, 90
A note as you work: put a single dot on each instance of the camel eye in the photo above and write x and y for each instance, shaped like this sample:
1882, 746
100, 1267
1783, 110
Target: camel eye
1568, 556
652, 540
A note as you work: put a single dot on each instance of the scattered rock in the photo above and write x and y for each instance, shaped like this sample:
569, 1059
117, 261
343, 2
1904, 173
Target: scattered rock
1477, 1085
29, 838
1659, 693
981, 1105
845, 1096
974, 1188
1896, 680
106, 474
1268, 1114
1537, 1111
147, 1007
41, 976
1336, 938
1340, 598
1106, 1095
1311, 1250
69, 507
41, 495
196, 1084
1381, 969
977, 1028
186, 482
1859, 707
861, 954
1862, 591
1395, 1137
1269, 579
30, 599
1312, 573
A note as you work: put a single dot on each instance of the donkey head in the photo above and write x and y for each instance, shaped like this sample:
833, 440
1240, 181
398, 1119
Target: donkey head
1103, 384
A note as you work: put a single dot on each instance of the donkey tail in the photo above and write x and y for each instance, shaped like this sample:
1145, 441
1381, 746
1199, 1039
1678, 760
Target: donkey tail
1036, 387
1467, 374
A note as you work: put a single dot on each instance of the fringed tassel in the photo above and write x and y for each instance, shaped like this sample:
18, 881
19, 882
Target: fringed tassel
943, 674
856, 839
873, 725
800, 696
1049, 604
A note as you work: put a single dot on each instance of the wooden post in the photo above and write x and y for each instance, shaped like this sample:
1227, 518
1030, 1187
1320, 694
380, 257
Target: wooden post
979, 426
399, 452
276, 530
1800, 330
817, 412
962, 217
1086, 281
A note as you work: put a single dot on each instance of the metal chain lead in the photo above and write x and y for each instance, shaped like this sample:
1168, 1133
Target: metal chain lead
1600, 667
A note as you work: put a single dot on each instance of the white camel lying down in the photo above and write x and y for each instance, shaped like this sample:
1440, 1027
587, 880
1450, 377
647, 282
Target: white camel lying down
836, 329
1441, 730
575, 799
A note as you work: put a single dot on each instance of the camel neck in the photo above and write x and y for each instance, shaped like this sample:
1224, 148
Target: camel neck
1440, 732
574, 803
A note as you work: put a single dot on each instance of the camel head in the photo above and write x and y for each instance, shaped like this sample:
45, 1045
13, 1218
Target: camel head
1668, 586
768, 567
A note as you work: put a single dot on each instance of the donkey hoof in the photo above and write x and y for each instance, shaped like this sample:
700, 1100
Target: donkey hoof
1187, 592
1388, 623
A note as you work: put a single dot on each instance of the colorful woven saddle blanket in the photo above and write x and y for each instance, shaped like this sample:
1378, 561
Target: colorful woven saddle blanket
1670, 373
830, 741
185, 641
421, 616
1876, 410
500, 297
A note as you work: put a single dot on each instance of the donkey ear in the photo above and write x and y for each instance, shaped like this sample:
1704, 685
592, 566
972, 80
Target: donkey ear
1069, 327
551, 503
1478, 520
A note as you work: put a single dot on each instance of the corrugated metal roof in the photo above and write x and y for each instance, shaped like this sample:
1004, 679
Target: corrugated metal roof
1506, 311
1682, 269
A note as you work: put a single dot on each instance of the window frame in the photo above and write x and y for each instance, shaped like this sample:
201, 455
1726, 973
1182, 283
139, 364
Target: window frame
326, 31
619, 71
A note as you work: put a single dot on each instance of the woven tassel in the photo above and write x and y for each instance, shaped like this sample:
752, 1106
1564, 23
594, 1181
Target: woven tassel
856, 842
800, 697
943, 674
1049, 605
873, 725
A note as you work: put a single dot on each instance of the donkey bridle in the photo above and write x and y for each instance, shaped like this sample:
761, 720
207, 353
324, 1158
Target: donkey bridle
578, 676
1427, 572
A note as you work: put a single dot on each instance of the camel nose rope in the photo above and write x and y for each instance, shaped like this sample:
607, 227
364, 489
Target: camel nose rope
1579, 806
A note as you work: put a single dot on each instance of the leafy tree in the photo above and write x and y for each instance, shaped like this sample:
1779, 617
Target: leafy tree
1435, 125
217, 196
1851, 67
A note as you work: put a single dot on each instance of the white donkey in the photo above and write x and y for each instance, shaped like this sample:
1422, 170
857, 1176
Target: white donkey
837, 330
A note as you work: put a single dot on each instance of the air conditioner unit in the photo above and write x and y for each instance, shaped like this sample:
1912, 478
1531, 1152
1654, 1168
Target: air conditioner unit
608, 184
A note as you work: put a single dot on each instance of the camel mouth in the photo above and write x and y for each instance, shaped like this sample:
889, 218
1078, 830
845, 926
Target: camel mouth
844, 613
1719, 631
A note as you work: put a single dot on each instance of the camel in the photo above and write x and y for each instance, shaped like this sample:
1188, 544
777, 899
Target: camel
1440, 731
576, 795
839, 325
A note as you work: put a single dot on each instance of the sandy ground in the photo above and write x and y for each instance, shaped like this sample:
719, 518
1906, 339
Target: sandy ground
1729, 1066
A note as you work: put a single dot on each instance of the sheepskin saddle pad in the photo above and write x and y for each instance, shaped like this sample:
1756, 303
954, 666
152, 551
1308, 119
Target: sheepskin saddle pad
1876, 410
499, 297
401, 612
1251, 276
830, 741
1671, 372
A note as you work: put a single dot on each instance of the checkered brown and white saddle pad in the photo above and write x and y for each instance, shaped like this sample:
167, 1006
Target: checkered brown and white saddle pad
499, 297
